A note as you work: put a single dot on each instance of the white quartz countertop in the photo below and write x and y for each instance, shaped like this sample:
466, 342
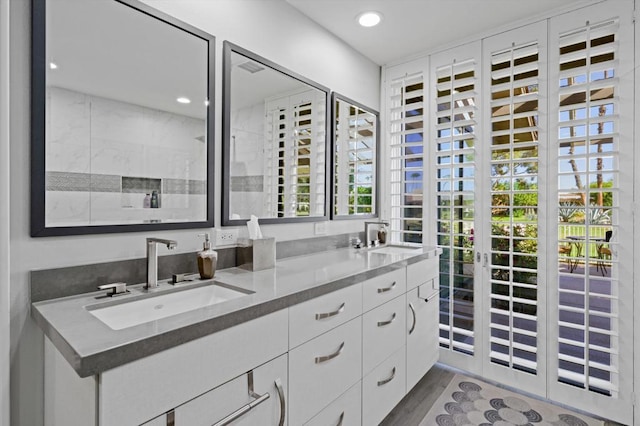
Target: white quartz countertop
92, 347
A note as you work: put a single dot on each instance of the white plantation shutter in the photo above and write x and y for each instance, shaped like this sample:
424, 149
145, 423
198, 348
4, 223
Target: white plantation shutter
456, 114
276, 117
354, 160
514, 196
588, 141
406, 124
592, 61
294, 184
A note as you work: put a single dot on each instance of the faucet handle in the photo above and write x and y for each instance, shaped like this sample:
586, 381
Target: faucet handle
116, 288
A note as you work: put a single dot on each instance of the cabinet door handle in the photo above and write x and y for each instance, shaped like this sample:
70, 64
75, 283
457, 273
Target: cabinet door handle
383, 323
325, 358
331, 314
283, 407
340, 419
413, 314
388, 379
259, 399
386, 289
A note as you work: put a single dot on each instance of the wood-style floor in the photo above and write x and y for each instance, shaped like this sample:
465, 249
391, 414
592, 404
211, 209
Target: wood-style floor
417, 403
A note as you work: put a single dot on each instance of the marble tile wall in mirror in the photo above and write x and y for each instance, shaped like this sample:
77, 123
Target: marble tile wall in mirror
113, 148
355, 159
275, 142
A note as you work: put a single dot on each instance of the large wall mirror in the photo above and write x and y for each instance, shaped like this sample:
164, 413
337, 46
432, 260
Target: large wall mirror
121, 119
355, 159
275, 130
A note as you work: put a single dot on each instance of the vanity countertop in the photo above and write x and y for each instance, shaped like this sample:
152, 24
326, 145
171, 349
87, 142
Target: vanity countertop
91, 347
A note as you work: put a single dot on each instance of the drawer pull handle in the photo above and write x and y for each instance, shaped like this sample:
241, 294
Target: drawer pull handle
386, 289
330, 314
388, 379
259, 399
283, 406
340, 419
413, 314
325, 358
383, 323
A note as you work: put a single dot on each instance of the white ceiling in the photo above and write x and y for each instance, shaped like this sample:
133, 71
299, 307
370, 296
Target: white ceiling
411, 27
108, 49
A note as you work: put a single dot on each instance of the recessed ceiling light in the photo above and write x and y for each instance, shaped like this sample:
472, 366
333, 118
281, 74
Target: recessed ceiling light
52, 65
369, 19
184, 100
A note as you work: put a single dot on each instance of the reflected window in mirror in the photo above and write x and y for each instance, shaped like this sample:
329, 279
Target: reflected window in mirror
355, 159
275, 142
120, 119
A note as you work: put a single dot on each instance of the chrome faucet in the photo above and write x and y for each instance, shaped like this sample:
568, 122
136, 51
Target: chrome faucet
367, 241
152, 260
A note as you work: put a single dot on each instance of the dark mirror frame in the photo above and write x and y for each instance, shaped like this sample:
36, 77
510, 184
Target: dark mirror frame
230, 48
38, 110
334, 98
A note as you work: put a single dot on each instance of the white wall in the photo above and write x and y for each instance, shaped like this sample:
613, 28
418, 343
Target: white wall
4, 212
271, 29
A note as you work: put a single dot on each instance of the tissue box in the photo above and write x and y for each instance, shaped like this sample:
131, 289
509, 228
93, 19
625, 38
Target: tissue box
256, 255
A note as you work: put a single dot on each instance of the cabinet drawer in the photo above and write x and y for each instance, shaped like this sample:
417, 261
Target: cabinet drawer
383, 332
322, 369
383, 388
269, 386
138, 391
381, 289
314, 317
422, 272
344, 411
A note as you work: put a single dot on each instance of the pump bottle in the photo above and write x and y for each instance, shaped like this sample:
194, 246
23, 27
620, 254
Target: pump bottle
207, 259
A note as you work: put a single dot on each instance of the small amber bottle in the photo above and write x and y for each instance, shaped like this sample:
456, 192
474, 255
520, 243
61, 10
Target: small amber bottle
207, 259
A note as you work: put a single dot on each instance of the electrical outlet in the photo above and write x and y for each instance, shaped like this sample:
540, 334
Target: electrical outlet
226, 236
320, 228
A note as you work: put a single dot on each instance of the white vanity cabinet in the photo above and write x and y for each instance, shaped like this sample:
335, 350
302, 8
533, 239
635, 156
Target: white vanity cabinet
422, 319
343, 358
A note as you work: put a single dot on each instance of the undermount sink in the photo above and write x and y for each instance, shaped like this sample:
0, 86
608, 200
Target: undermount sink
394, 249
158, 306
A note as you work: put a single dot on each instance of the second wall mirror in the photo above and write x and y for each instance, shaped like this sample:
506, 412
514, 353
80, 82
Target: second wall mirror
274, 142
355, 160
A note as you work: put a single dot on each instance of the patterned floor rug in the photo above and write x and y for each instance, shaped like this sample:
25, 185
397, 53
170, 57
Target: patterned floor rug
471, 402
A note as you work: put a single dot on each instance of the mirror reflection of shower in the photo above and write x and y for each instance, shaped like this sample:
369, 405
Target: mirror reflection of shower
238, 167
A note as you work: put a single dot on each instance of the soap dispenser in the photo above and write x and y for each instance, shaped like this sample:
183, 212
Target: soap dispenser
207, 259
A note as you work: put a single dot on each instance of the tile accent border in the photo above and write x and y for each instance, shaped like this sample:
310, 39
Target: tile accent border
247, 183
93, 182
